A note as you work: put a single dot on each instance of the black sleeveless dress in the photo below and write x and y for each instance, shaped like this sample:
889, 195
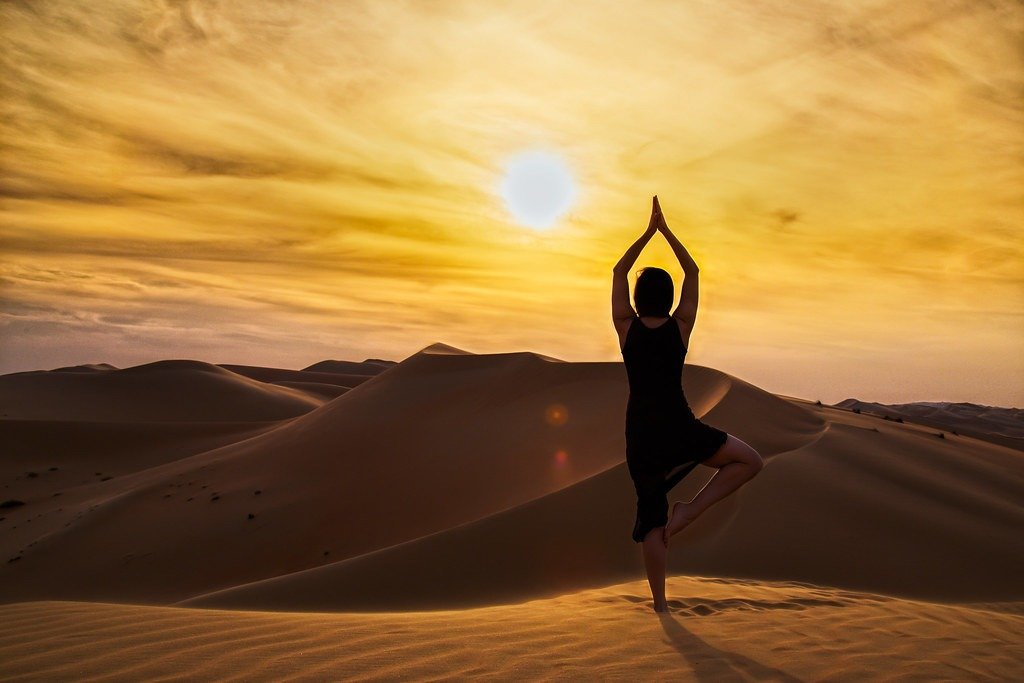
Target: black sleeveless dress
664, 439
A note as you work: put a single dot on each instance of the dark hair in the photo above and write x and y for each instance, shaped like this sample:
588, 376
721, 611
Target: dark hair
653, 292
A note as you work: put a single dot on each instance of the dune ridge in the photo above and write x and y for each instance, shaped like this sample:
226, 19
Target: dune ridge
353, 377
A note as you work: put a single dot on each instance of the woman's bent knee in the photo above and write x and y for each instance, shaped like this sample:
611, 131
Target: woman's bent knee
749, 458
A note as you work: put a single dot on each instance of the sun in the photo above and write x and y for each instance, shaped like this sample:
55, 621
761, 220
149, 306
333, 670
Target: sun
538, 188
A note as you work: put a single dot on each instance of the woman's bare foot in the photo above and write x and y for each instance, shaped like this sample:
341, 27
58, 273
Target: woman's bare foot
681, 516
662, 607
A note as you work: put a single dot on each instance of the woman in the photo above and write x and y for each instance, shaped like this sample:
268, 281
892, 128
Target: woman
664, 440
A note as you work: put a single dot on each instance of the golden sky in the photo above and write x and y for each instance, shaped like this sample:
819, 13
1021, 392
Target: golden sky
276, 183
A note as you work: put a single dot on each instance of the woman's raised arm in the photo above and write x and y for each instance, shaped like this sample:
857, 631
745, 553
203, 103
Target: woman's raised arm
633, 252
685, 260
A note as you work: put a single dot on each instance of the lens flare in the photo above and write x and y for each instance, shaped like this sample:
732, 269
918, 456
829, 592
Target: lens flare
556, 415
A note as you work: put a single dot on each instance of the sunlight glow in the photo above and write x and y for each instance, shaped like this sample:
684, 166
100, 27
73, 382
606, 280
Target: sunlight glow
538, 188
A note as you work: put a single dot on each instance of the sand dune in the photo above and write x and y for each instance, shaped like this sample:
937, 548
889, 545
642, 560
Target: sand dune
827, 513
370, 366
86, 367
77, 447
461, 482
168, 390
484, 433
718, 630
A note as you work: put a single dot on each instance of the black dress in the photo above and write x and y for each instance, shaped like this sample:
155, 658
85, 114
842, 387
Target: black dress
664, 439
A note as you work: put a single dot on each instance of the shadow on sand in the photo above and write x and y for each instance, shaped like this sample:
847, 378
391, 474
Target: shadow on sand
711, 664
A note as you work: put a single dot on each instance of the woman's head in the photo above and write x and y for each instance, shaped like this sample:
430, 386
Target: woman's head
653, 293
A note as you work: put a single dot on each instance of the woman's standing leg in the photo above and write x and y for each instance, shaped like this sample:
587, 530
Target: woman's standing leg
737, 464
651, 513
656, 560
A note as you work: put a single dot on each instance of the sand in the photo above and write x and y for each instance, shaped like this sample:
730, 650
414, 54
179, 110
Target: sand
460, 514
718, 630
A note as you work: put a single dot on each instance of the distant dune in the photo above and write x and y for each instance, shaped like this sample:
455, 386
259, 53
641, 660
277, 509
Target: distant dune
999, 425
88, 367
168, 390
370, 366
347, 380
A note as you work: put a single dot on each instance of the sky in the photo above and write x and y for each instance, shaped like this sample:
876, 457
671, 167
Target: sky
279, 183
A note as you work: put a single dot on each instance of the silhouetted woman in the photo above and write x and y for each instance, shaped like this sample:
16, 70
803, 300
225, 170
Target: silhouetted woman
664, 440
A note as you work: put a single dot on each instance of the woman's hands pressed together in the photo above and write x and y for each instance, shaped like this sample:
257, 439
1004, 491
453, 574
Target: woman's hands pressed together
657, 222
